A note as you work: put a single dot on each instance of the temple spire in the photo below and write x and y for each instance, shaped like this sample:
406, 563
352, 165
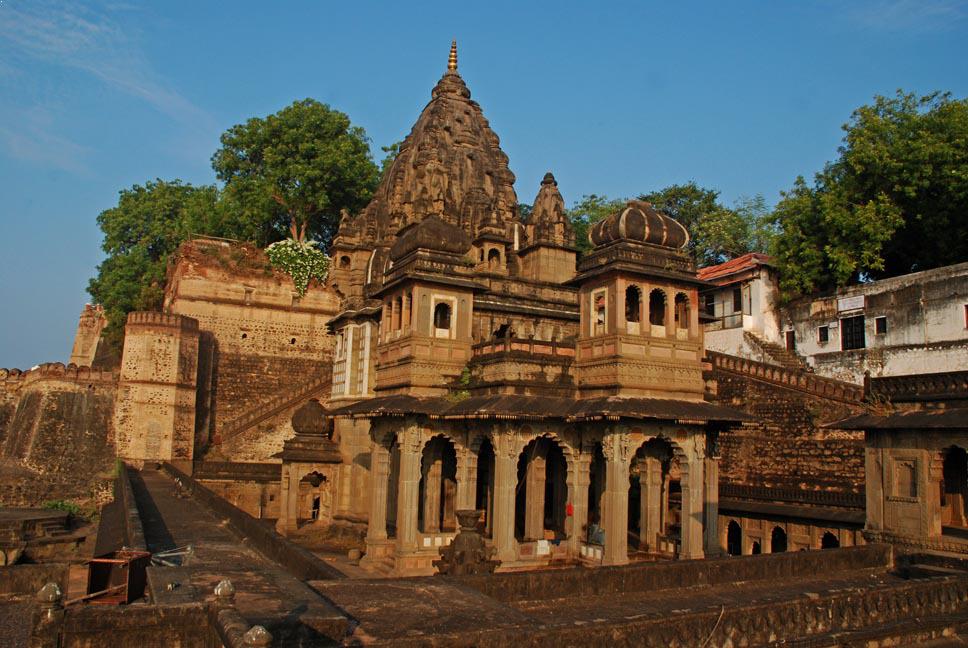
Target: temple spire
452, 59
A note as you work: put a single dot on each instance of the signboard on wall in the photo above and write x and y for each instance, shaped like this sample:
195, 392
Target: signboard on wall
850, 303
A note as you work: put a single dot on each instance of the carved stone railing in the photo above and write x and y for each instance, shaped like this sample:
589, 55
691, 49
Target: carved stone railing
792, 495
791, 378
265, 410
523, 345
936, 386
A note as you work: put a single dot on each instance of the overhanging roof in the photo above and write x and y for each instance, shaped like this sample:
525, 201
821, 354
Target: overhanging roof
926, 419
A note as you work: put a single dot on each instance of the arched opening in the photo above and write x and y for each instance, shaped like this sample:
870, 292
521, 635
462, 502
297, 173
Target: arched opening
600, 312
493, 259
397, 312
657, 307
682, 311
442, 317
438, 487
734, 539
648, 495
778, 540
594, 533
755, 549
633, 304
829, 541
542, 492
313, 495
503, 331
344, 262
484, 497
393, 486
954, 488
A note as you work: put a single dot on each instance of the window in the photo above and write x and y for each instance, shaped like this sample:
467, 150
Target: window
880, 325
823, 334
852, 333
599, 302
657, 307
737, 300
344, 262
682, 311
442, 316
493, 259
790, 337
632, 304
710, 304
905, 479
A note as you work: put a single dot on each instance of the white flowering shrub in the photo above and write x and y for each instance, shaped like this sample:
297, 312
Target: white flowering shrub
300, 260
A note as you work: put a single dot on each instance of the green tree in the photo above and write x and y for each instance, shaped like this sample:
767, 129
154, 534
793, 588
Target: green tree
292, 172
147, 225
588, 211
687, 203
725, 233
893, 202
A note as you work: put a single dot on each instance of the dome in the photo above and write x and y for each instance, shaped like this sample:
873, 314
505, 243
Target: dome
639, 221
430, 234
311, 419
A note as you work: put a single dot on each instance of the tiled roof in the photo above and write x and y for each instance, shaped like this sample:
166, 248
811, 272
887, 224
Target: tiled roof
734, 266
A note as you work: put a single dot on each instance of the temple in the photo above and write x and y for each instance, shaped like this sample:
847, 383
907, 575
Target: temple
489, 369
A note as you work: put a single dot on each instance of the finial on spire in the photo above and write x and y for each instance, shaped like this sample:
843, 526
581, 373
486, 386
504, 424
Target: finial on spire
452, 59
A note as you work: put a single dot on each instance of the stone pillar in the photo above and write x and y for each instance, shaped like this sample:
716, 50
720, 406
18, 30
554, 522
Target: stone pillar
289, 506
664, 503
466, 479
535, 498
578, 479
431, 493
616, 515
931, 504
505, 480
651, 482
408, 494
376, 530
449, 513
711, 508
691, 539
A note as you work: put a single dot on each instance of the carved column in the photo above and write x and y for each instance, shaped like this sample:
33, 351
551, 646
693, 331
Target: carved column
578, 480
711, 504
691, 539
616, 516
431, 493
931, 504
376, 528
651, 481
283, 525
407, 495
535, 497
505, 480
466, 479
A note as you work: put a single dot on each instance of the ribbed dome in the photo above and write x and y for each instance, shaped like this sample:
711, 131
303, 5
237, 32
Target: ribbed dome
311, 419
430, 234
639, 221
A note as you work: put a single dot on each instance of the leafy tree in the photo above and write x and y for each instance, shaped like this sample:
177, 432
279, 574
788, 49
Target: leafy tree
147, 225
588, 211
390, 154
292, 172
687, 203
524, 211
893, 202
726, 233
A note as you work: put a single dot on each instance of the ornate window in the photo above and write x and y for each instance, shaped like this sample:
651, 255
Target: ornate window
657, 307
442, 316
633, 304
682, 311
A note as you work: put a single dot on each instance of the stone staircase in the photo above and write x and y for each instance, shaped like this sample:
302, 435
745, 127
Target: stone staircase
780, 355
318, 386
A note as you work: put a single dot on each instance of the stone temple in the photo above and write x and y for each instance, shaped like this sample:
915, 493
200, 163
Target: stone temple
465, 371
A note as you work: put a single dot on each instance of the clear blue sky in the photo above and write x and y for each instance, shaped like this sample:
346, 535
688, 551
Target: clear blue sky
616, 98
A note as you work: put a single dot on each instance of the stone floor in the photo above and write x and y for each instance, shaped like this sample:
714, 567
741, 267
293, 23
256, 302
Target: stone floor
266, 594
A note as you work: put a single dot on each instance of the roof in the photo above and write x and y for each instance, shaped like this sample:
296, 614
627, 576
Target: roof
925, 419
735, 266
542, 407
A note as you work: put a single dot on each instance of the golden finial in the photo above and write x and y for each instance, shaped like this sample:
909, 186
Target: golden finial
452, 59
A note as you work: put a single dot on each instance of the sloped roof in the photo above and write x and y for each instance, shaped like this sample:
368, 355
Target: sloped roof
735, 266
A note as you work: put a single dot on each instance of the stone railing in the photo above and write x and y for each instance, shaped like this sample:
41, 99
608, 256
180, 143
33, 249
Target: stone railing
14, 379
791, 378
793, 495
523, 345
265, 410
936, 386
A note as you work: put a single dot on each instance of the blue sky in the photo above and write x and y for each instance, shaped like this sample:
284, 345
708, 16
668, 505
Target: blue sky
618, 99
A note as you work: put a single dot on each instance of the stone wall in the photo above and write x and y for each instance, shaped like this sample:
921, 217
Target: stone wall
785, 447
54, 419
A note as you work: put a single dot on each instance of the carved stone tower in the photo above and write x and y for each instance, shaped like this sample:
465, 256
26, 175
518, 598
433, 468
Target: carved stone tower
154, 418
549, 254
638, 294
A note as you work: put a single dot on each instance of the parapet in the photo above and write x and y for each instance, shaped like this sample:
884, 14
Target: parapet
14, 379
162, 320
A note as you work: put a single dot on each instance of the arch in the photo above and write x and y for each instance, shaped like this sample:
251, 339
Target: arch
438, 486
829, 541
344, 262
682, 311
657, 307
649, 486
442, 316
542, 490
755, 548
493, 259
734, 538
778, 540
484, 491
633, 304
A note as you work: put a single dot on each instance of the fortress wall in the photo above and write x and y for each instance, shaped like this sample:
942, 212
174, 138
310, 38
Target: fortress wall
786, 448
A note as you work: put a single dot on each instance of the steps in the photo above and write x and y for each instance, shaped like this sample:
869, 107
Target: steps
780, 355
267, 409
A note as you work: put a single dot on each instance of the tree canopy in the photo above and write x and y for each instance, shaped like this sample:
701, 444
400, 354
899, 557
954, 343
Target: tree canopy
149, 222
893, 202
292, 172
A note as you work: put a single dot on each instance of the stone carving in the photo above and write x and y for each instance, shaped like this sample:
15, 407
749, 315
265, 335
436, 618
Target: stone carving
467, 553
549, 223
